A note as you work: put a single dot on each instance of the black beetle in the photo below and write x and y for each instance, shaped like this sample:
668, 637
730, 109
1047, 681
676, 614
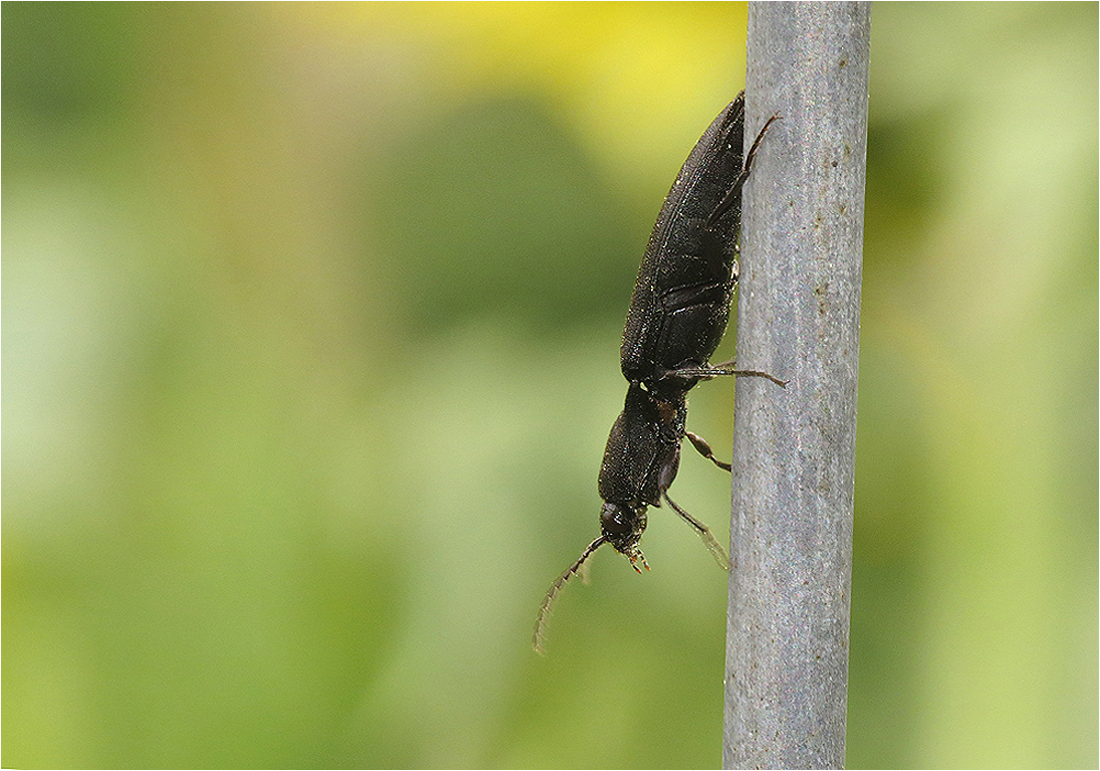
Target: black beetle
677, 316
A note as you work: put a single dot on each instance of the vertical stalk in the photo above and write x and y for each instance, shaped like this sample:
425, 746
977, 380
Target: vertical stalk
794, 449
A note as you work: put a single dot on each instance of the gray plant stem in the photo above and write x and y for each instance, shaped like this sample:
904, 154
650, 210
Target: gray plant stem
794, 448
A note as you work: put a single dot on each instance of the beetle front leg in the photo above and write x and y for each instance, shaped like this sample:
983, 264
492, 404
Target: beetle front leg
701, 445
704, 533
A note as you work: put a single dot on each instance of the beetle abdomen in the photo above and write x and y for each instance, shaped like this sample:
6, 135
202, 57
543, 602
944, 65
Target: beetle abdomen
680, 305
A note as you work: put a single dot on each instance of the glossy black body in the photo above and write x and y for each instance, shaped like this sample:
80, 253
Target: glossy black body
639, 463
677, 316
681, 301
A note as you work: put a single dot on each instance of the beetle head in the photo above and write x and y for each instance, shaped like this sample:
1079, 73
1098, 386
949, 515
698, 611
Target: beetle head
622, 527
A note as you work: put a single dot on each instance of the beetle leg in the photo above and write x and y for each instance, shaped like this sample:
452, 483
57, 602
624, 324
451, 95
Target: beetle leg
726, 369
704, 449
734, 193
708, 372
704, 533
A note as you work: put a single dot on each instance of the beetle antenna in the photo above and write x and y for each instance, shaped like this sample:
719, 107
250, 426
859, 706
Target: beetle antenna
548, 600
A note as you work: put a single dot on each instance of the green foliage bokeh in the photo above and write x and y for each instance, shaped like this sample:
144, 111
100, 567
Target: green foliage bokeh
311, 317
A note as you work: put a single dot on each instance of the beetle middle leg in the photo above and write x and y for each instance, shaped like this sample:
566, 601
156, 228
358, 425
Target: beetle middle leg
704, 533
709, 371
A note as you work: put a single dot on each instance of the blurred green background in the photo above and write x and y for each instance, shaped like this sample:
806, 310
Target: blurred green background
311, 318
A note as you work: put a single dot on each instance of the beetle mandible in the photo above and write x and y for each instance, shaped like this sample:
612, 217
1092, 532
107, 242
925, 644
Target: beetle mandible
677, 316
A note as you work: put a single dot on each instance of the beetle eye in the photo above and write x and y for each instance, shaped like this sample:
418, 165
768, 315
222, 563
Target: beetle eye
613, 519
